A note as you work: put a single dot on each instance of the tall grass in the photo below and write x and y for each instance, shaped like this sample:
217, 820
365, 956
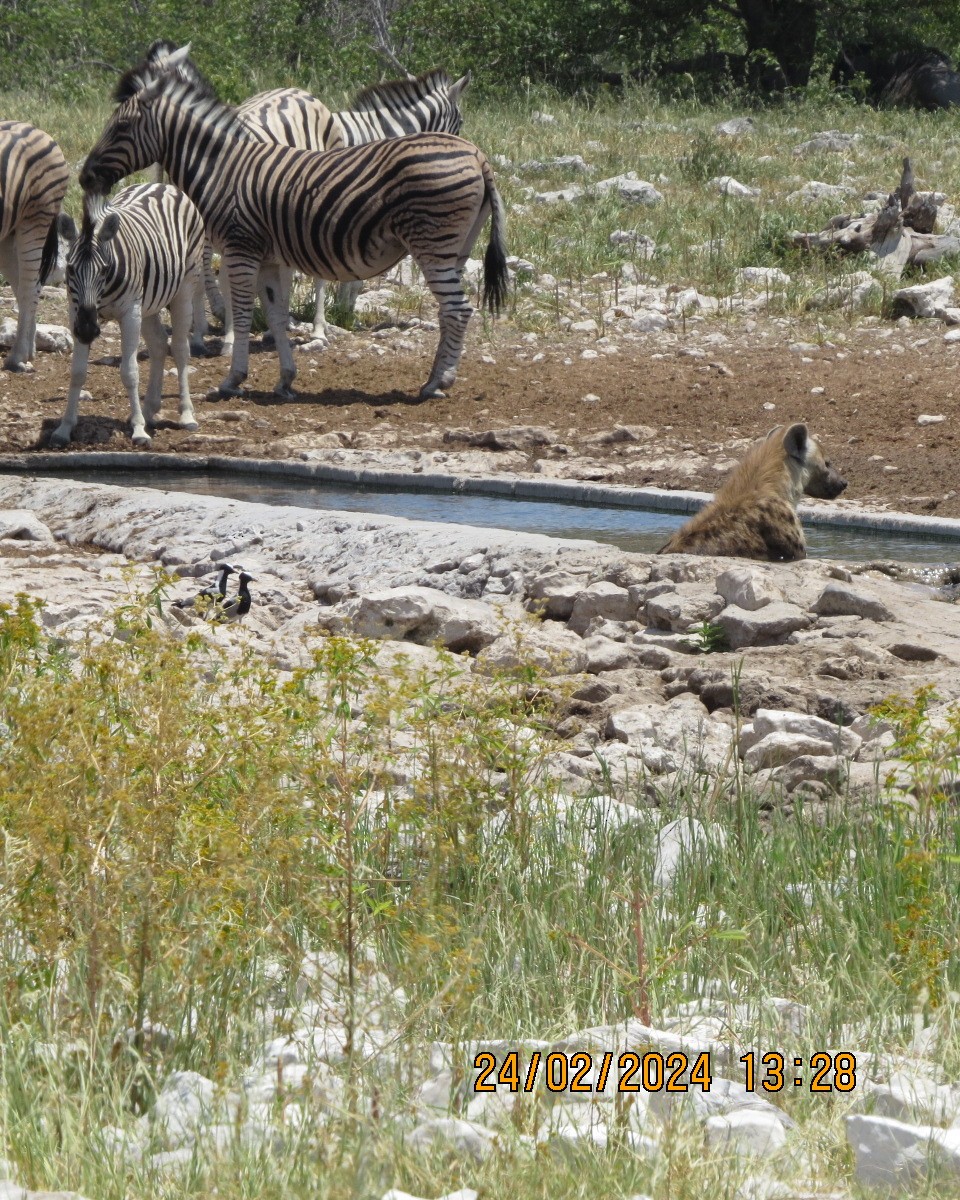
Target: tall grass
187, 828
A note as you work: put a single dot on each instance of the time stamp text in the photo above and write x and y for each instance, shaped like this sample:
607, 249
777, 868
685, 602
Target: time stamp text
634, 1071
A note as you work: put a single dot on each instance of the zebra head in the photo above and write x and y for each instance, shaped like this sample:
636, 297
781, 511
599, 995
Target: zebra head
130, 140
89, 257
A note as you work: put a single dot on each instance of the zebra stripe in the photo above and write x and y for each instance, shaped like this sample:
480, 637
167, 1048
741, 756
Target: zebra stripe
136, 255
33, 181
343, 214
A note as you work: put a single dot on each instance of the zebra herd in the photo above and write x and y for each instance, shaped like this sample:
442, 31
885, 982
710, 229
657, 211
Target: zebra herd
276, 184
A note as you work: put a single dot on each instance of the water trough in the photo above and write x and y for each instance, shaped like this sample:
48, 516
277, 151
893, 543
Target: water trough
634, 519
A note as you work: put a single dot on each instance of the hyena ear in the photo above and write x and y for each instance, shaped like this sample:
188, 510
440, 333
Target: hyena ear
108, 230
796, 442
67, 228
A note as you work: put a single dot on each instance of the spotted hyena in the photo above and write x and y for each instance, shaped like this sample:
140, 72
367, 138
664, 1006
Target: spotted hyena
754, 515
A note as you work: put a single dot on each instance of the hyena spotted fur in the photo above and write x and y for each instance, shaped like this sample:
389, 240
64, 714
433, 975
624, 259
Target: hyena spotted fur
754, 515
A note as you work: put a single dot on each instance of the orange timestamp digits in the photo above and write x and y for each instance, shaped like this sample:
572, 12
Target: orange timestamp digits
830, 1072
631, 1071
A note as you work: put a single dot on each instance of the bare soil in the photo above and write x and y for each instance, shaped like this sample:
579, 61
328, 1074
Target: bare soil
699, 412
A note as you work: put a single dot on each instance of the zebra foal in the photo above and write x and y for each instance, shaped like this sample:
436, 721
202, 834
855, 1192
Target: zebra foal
136, 255
33, 182
342, 214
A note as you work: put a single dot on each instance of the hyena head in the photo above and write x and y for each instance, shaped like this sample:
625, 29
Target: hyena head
810, 473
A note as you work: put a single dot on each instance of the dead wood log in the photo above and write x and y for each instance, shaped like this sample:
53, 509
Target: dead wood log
898, 234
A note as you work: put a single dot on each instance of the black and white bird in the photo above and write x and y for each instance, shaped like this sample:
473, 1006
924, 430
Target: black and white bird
210, 597
239, 604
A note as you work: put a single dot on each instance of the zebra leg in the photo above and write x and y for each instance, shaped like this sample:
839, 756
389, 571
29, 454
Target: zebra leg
28, 249
199, 328
455, 314
226, 346
180, 309
156, 338
241, 282
214, 296
78, 377
130, 372
271, 296
347, 294
319, 331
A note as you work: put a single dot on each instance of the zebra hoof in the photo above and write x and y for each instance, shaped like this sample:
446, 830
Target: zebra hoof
58, 440
431, 392
189, 426
17, 368
141, 439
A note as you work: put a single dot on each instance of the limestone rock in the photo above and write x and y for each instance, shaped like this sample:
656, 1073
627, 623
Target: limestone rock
419, 614
839, 599
604, 600
728, 186
924, 299
555, 593
547, 645
465, 1137
680, 841
777, 749
772, 623
22, 525
735, 127
892, 1153
829, 769
843, 740
677, 611
745, 1132
605, 654
747, 588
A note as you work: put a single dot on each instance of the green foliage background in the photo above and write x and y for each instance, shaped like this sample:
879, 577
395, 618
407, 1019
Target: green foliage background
72, 45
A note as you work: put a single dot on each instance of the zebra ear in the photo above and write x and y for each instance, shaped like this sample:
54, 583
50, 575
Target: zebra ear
108, 230
456, 90
178, 57
67, 228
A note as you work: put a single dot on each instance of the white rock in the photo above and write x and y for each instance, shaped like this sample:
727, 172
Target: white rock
908, 1095
770, 720
588, 326
840, 599
681, 841
555, 593
679, 611
547, 645
543, 118
467, 1137
927, 419
601, 599
766, 276
768, 625
647, 321
745, 1132
420, 614
728, 186
748, 588
888, 1152
54, 339
19, 524
640, 244
830, 769
735, 127
831, 139
924, 299
815, 190
776, 749
631, 189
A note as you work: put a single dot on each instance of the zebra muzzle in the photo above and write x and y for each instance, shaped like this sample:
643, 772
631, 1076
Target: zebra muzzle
86, 327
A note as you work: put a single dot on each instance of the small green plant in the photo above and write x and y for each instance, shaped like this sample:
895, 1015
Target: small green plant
710, 638
708, 158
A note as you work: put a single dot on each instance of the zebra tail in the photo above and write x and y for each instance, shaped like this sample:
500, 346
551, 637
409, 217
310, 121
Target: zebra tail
48, 259
495, 277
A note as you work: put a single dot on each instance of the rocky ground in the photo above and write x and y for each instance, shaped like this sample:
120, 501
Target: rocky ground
809, 648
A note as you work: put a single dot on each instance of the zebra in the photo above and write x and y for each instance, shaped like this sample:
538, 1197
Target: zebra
292, 117
33, 182
428, 103
134, 256
341, 214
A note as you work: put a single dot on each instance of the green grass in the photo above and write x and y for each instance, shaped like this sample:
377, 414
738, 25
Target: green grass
704, 237
183, 824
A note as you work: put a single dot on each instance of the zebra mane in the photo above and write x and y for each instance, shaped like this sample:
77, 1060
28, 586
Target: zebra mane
401, 91
95, 208
192, 92
152, 66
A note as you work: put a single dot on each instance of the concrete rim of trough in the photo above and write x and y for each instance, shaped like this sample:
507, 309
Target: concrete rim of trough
513, 487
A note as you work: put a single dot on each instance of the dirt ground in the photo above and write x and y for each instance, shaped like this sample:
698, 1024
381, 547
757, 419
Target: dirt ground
698, 410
